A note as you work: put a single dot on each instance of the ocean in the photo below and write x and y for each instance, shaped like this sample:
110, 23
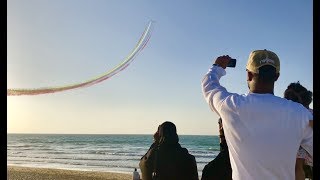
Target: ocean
106, 153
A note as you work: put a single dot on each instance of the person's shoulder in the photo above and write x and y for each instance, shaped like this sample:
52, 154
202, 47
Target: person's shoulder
297, 108
287, 102
184, 150
186, 153
150, 153
236, 99
295, 105
186, 158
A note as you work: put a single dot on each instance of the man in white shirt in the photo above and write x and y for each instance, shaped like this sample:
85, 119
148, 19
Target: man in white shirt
263, 131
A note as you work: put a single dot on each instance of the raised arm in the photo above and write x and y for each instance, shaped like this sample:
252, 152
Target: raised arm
213, 92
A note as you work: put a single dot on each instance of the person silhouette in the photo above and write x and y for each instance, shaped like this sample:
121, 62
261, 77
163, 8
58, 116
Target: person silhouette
263, 131
304, 162
166, 159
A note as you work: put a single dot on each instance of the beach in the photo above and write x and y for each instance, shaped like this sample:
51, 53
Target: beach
98, 153
27, 173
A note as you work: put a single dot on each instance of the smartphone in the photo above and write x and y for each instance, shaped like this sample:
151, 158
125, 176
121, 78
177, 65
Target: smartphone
232, 63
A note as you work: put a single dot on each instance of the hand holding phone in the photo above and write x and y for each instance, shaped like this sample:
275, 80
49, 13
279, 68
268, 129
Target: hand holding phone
232, 63
225, 61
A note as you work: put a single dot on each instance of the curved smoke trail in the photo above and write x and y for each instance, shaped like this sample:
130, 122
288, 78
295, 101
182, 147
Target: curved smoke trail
124, 64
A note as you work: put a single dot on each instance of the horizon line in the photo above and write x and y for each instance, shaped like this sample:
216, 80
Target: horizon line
102, 134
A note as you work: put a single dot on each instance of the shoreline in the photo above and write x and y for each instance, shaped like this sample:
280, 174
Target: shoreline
35, 173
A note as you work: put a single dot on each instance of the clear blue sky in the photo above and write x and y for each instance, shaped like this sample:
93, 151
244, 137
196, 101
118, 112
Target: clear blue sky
61, 42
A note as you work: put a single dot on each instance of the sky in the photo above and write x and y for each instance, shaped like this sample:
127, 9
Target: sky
62, 42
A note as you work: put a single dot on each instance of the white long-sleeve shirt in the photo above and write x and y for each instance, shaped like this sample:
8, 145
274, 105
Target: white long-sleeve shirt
263, 131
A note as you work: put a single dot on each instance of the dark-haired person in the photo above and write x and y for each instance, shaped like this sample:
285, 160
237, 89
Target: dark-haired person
166, 159
304, 163
263, 131
219, 168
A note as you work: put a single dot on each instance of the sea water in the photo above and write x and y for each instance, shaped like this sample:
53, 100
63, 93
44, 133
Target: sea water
106, 153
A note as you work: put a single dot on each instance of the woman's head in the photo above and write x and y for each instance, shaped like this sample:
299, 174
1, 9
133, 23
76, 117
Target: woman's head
297, 93
168, 133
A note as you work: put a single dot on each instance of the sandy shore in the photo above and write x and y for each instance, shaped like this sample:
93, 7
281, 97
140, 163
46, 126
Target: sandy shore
26, 173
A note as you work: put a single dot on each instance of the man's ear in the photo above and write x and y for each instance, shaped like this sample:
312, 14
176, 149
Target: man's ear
249, 76
277, 76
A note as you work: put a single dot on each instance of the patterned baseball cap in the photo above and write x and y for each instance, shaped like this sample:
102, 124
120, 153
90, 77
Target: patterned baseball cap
259, 58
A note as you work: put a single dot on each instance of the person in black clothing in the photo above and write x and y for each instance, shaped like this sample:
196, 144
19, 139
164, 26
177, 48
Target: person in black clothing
220, 167
166, 159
